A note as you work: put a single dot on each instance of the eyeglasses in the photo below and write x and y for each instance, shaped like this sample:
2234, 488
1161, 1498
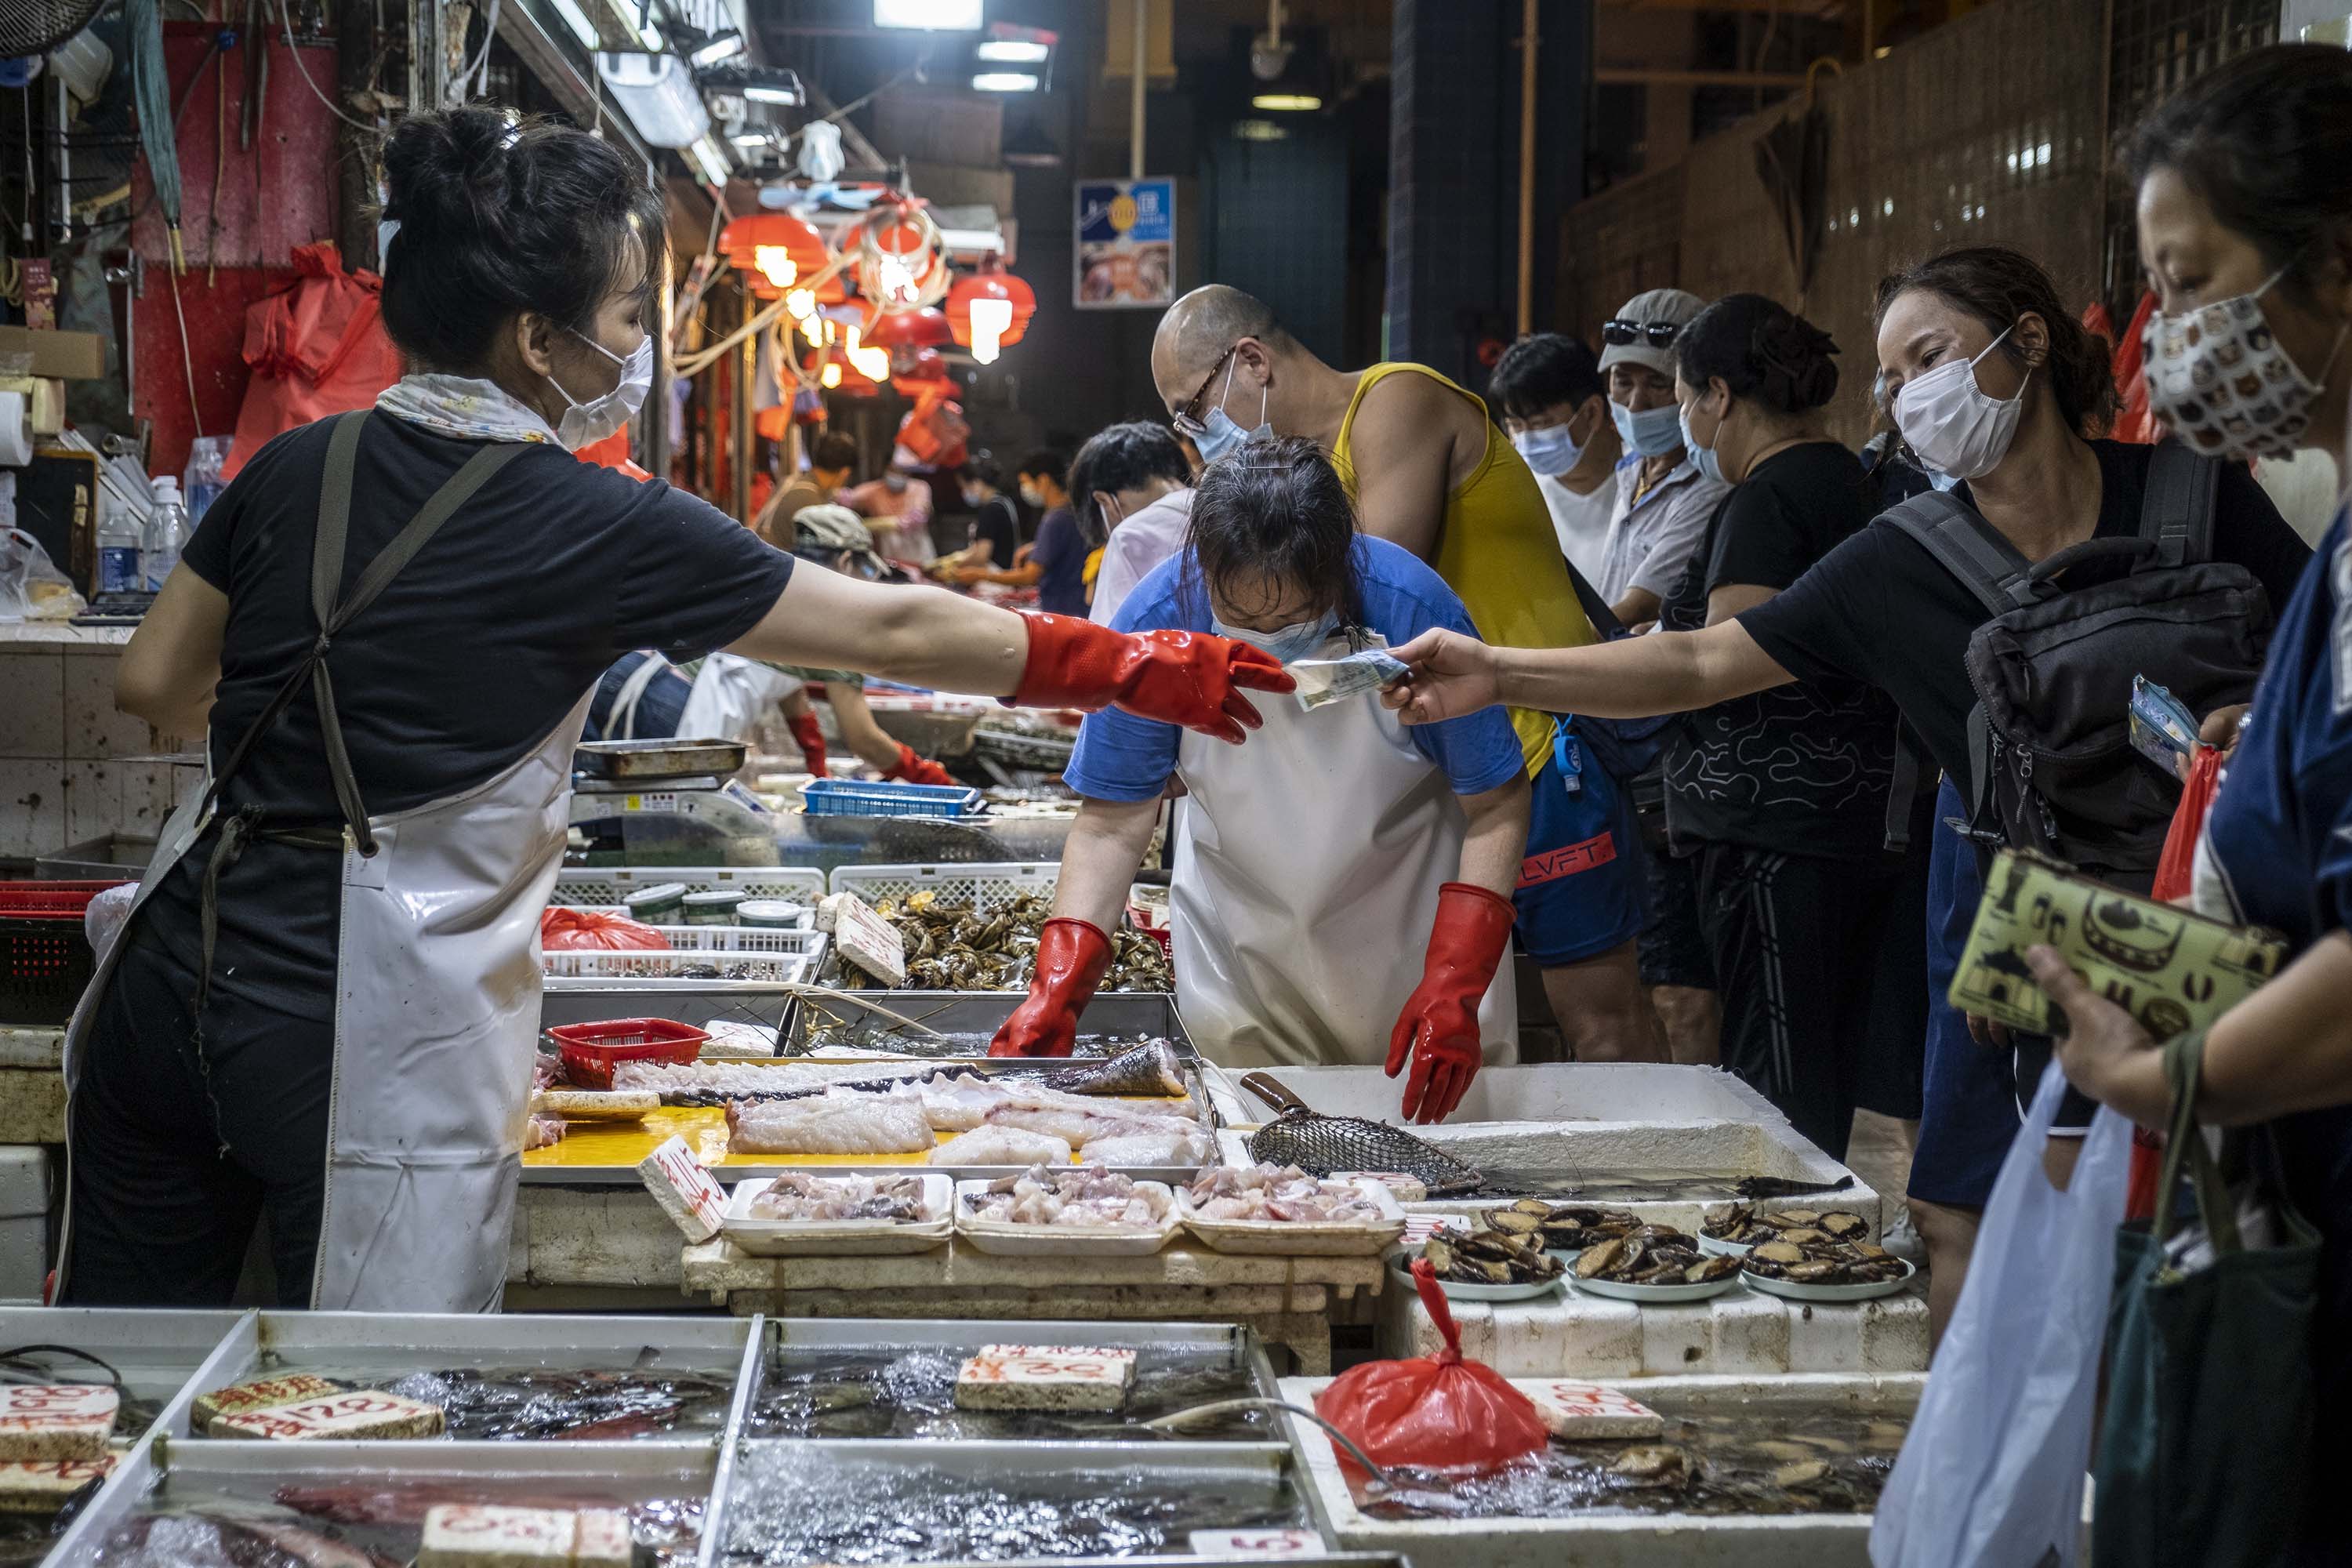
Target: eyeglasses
1186, 422
1624, 334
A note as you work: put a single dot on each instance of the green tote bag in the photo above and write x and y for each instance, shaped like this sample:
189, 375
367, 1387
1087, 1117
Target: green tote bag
2203, 1450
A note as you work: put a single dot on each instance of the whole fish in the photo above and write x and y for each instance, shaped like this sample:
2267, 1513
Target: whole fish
202, 1540
1151, 1068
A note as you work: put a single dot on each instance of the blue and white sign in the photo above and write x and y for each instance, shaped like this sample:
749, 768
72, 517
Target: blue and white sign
1127, 245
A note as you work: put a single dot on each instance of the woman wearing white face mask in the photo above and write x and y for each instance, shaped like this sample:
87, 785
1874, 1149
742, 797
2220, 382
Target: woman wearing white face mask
325, 1004
1992, 381
1307, 871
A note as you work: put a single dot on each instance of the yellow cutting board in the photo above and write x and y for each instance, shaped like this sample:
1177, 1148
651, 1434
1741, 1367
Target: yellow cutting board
601, 1145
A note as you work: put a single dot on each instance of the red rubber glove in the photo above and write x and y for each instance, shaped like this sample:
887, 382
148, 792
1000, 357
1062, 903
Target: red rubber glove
1072, 955
1439, 1026
1178, 677
809, 736
912, 769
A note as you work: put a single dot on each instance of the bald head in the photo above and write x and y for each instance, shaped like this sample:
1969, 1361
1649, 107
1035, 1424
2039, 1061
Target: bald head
1197, 330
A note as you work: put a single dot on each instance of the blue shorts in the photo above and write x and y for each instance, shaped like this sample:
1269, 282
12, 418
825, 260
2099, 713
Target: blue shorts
1580, 889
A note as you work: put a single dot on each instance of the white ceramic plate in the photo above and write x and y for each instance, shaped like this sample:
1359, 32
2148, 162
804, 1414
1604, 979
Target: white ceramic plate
1457, 1292
1294, 1239
837, 1238
1007, 1240
1722, 1248
1795, 1291
1655, 1295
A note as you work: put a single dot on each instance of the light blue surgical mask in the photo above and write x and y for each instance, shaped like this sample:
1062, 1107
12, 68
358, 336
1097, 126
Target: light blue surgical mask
1220, 436
1651, 433
1551, 451
1290, 642
1942, 481
1709, 466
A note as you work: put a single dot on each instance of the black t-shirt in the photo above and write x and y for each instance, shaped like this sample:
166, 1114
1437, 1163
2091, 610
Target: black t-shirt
464, 665
995, 520
1061, 556
1801, 769
1881, 609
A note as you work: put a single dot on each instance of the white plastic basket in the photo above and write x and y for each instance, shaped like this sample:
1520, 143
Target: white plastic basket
986, 883
807, 922
601, 885
779, 957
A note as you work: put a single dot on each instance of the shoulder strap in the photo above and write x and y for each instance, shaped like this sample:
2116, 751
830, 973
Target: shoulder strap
2177, 510
1968, 548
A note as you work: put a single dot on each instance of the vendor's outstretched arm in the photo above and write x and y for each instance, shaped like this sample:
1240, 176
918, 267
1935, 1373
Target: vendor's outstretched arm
1632, 678
930, 637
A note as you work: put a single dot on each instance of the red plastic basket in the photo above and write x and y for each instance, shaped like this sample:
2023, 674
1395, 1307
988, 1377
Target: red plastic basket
592, 1050
45, 959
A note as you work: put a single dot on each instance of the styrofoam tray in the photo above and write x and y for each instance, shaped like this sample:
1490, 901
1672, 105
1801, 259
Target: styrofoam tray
1006, 1240
1403, 1280
1654, 1295
838, 1238
1794, 1290
1290, 1239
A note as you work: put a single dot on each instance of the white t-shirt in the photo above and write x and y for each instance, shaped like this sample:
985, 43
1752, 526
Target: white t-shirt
1581, 522
1135, 547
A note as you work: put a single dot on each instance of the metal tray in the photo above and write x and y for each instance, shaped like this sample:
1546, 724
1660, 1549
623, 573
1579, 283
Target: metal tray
650, 761
1127, 1014
157, 1352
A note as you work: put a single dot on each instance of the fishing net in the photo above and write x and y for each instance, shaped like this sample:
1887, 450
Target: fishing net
1440, 1412
1327, 1145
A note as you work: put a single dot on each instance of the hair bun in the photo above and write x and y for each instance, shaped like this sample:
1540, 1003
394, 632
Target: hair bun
452, 167
1797, 353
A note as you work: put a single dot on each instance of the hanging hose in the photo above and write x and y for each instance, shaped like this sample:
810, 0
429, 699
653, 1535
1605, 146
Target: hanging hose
1183, 1418
151, 87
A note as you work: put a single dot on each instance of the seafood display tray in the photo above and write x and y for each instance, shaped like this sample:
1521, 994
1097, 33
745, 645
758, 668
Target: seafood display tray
698, 1468
843, 1238
155, 1352
1006, 1239
1287, 1239
1621, 1540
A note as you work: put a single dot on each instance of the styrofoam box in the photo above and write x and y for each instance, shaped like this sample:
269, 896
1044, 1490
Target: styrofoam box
1686, 1540
1742, 1332
25, 1181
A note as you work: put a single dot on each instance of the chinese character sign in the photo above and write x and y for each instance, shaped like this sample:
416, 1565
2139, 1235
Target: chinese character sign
1126, 243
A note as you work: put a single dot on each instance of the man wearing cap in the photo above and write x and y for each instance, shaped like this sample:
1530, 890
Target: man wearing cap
1663, 504
1430, 471
1663, 500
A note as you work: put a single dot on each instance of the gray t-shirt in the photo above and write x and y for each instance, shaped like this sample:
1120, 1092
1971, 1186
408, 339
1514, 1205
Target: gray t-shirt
1651, 540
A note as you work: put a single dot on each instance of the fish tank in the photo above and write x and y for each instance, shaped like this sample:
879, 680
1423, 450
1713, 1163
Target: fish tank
827, 1380
794, 1503
519, 1378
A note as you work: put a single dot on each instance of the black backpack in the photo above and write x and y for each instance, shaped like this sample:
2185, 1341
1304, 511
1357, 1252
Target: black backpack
2051, 760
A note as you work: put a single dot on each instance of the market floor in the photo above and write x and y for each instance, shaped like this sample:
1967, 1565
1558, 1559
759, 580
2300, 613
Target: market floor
1880, 1153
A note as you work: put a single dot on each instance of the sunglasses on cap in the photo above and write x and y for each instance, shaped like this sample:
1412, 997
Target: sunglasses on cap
1624, 334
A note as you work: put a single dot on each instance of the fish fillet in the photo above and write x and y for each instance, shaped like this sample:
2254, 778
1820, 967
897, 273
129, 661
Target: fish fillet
1079, 1126
830, 1123
1002, 1146
961, 1103
1187, 1148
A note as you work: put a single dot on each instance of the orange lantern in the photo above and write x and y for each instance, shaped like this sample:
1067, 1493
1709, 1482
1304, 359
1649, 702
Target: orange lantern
990, 310
906, 331
920, 374
777, 252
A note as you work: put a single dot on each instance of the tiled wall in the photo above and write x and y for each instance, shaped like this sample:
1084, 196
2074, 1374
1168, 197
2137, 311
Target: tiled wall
61, 779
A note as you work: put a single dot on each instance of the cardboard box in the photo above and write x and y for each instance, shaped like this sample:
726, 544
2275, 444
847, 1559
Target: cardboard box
76, 357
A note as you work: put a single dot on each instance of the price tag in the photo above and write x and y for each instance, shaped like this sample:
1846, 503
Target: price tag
694, 1202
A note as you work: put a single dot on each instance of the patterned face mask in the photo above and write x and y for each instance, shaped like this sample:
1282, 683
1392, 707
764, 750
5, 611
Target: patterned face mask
2218, 379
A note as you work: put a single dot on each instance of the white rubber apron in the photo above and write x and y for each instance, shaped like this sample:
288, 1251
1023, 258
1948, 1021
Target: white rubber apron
1308, 866
730, 697
437, 975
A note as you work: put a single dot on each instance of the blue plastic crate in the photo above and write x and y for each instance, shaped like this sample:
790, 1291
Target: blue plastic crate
840, 797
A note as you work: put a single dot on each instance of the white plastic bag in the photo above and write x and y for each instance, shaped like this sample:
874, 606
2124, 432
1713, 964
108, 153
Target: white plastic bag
1991, 1476
103, 918
31, 587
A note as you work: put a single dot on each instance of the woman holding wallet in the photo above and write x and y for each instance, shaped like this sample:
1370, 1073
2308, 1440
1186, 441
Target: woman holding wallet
2246, 227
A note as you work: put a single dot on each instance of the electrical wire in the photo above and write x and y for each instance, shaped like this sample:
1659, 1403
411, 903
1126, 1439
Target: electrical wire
696, 363
855, 104
286, 15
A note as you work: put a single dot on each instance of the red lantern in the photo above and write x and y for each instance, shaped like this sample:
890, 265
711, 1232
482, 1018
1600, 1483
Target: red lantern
920, 374
800, 244
901, 262
1003, 305
911, 330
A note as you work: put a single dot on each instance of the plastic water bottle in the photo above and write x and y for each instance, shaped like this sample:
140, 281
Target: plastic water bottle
202, 481
118, 556
167, 530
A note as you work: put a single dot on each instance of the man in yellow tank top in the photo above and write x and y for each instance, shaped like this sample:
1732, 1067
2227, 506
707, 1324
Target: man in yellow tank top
1429, 471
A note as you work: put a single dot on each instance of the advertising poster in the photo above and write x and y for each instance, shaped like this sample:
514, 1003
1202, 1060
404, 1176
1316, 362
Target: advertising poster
1127, 245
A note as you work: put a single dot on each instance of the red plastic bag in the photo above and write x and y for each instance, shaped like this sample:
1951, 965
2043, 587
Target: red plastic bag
577, 931
2175, 878
317, 347
1434, 1414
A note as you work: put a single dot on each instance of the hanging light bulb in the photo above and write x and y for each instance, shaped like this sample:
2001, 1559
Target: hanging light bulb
800, 304
989, 321
830, 376
775, 261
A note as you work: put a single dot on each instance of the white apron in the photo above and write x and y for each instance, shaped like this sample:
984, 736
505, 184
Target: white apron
437, 977
1308, 866
730, 696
